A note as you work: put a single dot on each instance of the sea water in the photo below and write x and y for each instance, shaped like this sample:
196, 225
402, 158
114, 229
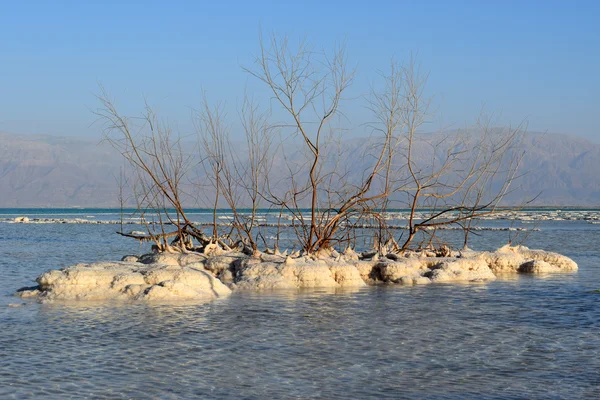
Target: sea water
520, 337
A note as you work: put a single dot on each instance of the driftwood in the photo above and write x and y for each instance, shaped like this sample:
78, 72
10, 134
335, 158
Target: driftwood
187, 231
144, 238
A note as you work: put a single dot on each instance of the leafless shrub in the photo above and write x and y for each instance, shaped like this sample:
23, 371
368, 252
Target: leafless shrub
449, 178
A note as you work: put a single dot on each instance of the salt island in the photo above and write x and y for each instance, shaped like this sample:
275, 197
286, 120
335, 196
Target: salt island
215, 272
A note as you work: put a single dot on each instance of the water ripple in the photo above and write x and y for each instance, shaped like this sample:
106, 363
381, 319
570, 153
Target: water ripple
528, 337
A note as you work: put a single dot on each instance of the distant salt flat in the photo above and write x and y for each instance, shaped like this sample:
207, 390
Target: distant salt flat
395, 218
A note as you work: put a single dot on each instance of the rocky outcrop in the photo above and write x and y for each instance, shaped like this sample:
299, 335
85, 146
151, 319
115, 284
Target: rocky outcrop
127, 281
509, 260
169, 276
423, 270
537, 267
559, 261
461, 270
297, 273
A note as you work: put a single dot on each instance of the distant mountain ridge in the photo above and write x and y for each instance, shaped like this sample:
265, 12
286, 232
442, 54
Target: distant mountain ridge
50, 171
41, 171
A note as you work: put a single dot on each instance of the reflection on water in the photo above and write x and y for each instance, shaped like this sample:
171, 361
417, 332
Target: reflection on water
525, 337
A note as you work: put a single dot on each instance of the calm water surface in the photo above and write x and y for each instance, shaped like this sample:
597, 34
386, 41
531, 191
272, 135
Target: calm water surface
523, 338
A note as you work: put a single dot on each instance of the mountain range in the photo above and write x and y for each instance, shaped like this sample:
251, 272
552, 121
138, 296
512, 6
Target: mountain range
50, 171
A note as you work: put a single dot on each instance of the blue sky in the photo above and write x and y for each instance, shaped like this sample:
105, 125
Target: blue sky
534, 60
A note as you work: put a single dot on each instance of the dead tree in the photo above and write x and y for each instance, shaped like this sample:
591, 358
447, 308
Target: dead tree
156, 155
213, 137
467, 174
444, 179
251, 172
309, 87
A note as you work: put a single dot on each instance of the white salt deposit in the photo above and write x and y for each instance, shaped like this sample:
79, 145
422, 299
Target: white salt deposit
170, 276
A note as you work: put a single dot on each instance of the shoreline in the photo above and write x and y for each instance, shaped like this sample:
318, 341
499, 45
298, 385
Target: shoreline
42, 221
394, 218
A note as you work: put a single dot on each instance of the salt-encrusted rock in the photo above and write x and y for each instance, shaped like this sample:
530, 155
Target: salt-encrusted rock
325, 254
29, 292
302, 273
127, 281
346, 275
465, 266
174, 259
213, 249
199, 276
501, 262
462, 270
217, 264
349, 254
191, 258
408, 267
413, 280
368, 270
423, 270
509, 259
393, 256
443, 251
21, 219
289, 260
368, 254
160, 258
226, 276
266, 257
258, 275
563, 263
537, 267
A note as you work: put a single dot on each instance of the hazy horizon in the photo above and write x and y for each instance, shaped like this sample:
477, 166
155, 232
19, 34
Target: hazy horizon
79, 171
98, 136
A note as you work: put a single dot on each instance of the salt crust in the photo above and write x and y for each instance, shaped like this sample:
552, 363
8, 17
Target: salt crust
169, 276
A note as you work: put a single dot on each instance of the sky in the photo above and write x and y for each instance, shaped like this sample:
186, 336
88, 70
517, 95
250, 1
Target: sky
534, 61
